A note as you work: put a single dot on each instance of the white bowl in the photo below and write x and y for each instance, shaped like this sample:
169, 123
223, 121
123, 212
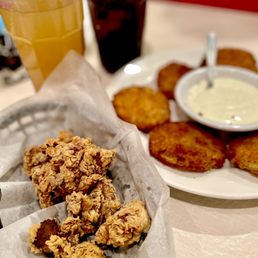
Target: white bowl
191, 78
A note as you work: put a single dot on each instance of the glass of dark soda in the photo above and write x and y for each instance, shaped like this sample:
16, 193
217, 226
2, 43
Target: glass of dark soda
118, 26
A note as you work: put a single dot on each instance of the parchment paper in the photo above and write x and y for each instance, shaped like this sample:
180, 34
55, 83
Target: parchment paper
83, 107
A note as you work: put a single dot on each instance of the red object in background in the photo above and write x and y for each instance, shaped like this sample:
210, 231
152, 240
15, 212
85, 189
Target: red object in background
245, 5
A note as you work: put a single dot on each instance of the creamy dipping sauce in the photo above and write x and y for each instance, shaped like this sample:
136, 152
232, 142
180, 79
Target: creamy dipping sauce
230, 101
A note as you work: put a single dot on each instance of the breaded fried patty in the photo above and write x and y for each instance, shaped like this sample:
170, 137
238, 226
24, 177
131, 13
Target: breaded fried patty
235, 57
142, 106
168, 77
185, 146
243, 153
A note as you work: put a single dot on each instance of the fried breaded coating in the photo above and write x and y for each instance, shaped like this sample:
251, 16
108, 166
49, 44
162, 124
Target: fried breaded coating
142, 106
32, 236
37, 155
168, 77
32, 158
94, 208
61, 248
125, 226
185, 146
57, 166
235, 57
87, 250
72, 230
40, 233
243, 153
68, 233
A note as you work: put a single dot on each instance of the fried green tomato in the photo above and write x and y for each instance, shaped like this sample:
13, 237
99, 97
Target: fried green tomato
235, 57
142, 106
243, 153
185, 146
168, 77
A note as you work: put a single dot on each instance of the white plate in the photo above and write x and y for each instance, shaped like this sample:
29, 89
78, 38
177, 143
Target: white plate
224, 183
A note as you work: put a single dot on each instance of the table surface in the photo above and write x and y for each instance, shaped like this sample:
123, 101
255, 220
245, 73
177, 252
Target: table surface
174, 26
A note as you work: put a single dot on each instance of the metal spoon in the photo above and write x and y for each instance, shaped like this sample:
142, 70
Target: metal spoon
211, 57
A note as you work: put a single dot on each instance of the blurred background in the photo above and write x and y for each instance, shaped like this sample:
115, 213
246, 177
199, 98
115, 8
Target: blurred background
247, 5
12, 71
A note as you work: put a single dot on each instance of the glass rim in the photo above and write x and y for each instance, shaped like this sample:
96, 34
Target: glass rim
35, 5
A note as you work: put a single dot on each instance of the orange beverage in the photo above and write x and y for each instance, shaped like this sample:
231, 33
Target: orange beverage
43, 32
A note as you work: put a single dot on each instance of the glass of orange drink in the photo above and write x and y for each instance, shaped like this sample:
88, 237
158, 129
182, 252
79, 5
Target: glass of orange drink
44, 31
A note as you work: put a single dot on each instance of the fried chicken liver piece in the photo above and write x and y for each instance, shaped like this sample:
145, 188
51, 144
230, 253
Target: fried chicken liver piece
125, 226
57, 166
61, 248
40, 233
96, 206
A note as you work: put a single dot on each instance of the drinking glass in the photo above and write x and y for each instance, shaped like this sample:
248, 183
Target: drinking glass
43, 32
118, 26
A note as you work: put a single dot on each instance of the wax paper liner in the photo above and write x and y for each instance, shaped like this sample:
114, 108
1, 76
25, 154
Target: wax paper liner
73, 98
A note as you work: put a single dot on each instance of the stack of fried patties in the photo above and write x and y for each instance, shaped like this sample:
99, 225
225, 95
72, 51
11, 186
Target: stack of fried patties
72, 169
183, 145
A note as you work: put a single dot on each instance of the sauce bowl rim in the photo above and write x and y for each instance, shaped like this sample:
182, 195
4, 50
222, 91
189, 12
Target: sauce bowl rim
192, 77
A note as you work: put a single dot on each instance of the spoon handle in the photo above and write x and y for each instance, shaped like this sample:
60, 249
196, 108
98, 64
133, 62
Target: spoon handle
211, 56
